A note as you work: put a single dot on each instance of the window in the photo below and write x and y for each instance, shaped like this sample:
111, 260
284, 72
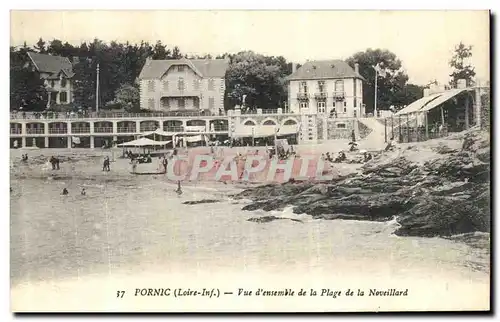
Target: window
304, 104
341, 125
321, 107
151, 104
345, 110
339, 86
165, 86
52, 83
196, 102
180, 68
180, 84
63, 83
63, 97
222, 84
321, 86
355, 102
151, 86
303, 87
196, 84
211, 85
165, 102
211, 103
345, 104
181, 103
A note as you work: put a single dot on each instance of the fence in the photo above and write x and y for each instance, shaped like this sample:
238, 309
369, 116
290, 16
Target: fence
406, 129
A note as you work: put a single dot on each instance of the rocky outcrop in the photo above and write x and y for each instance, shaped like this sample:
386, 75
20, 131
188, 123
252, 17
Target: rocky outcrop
444, 196
265, 219
196, 202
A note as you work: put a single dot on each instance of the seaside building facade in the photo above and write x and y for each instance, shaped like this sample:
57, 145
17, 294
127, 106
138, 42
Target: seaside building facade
184, 84
57, 73
327, 87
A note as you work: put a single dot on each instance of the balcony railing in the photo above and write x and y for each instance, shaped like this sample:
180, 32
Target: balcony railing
339, 95
303, 96
15, 131
148, 128
58, 131
103, 130
320, 95
126, 130
270, 111
80, 130
35, 131
173, 129
221, 128
110, 115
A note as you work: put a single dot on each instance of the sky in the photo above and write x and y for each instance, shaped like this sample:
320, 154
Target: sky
423, 40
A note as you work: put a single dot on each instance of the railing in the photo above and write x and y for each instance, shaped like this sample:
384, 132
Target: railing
58, 131
248, 112
93, 115
320, 95
148, 128
302, 96
103, 130
35, 131
270, 111
15, 131
126, 130
80, 130
221, 128
173, 129
338, 95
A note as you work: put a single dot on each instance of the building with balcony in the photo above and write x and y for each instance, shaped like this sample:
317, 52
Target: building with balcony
177, 85
328, 87
57, 73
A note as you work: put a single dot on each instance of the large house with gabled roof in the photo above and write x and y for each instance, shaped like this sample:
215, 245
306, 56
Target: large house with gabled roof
330, 87
183, 84
57, 73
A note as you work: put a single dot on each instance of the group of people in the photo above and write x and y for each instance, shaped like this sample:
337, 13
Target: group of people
65, 192
24, 157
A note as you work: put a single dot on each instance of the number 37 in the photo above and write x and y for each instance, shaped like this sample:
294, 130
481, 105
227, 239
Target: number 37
120, 294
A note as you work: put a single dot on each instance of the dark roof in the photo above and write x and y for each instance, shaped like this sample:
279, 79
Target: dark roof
324, 69
203, 67
52, 64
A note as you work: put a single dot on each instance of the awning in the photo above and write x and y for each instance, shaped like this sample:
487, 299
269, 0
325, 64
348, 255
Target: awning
429, 102
441, 99
418, 104
196, 138
143, 142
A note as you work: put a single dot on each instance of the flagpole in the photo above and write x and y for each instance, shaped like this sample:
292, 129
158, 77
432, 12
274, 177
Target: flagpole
376, 77
97, 91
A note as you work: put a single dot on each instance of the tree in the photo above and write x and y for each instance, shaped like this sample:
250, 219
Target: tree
128, 96
40, 46
27, 90
390, 83
258, 77
84, 83
462, 70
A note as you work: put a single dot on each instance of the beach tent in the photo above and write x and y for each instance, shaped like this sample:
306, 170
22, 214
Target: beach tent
143, 142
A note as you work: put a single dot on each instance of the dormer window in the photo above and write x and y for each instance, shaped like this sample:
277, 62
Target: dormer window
63, 82
52, 83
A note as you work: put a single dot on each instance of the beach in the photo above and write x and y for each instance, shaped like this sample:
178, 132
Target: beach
74, 252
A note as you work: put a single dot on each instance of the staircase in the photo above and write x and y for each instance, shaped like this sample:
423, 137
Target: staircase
377, 135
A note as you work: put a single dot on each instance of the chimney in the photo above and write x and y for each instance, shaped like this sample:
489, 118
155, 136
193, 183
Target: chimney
294, 67
427, 92
356, 68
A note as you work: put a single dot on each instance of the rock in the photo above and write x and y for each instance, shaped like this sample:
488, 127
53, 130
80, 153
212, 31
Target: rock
196, 202
270, 218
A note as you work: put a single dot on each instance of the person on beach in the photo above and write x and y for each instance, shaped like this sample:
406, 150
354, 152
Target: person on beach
165, 164
179, 189
105, 164
83, 192
390, 145
65, 192
134, 165
367, 157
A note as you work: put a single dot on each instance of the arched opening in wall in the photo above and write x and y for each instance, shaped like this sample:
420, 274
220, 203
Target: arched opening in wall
173, 126
103, 127
269, 122
147, 126
290, 122
126, 127
219, 125
249, 123
196, 123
